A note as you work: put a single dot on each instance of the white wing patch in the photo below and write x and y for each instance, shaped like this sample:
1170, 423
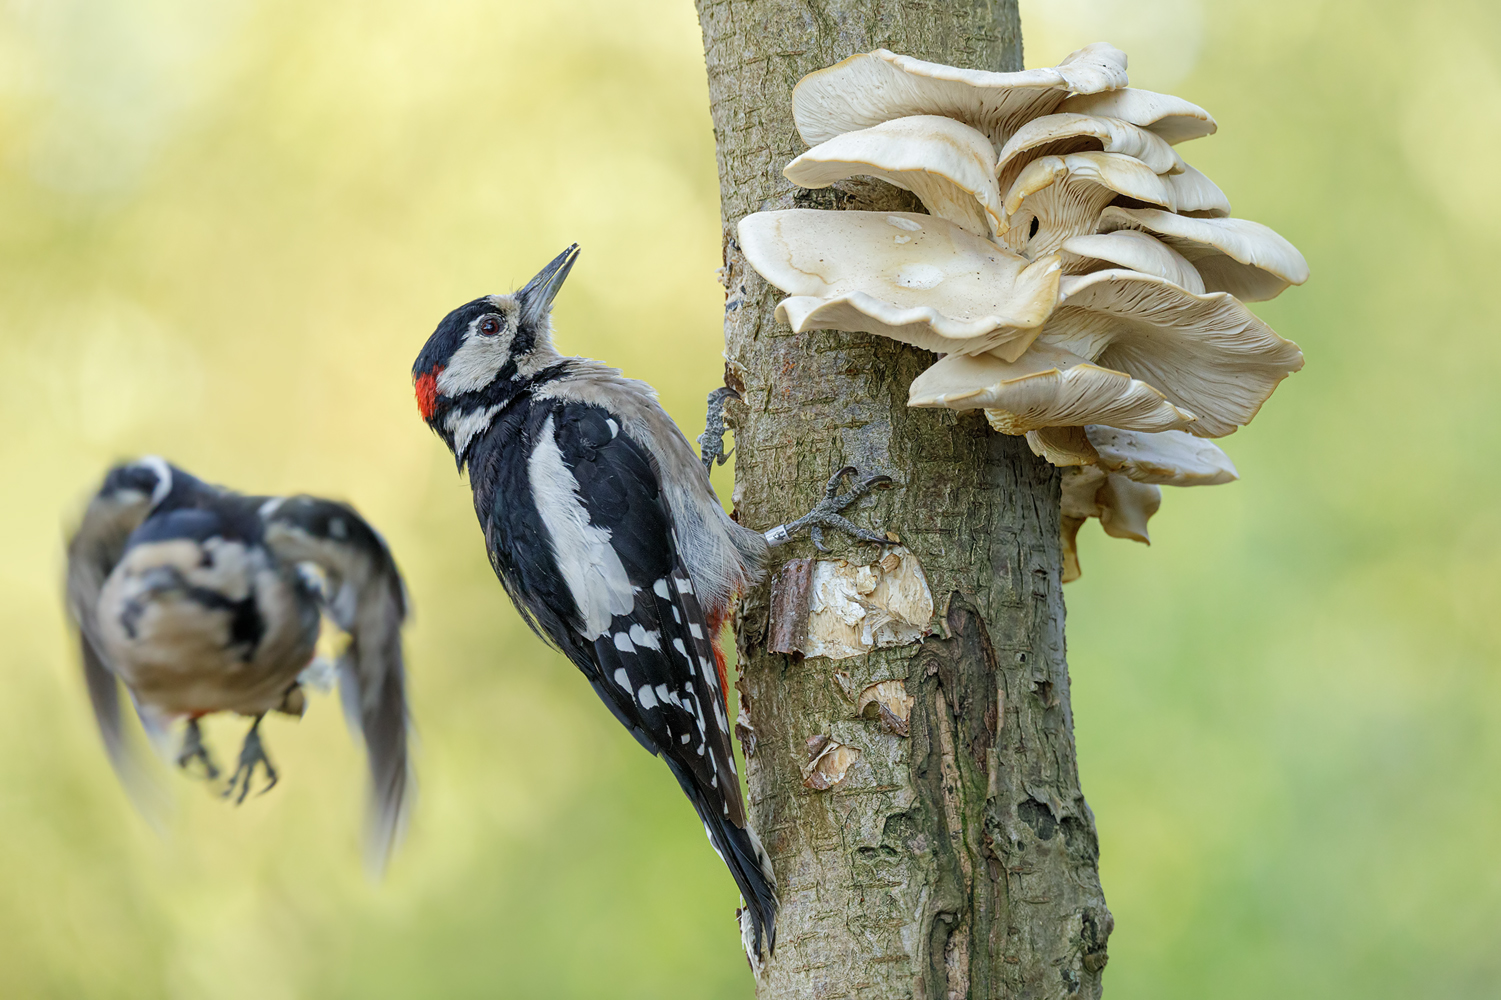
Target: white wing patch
588, 562
647, 640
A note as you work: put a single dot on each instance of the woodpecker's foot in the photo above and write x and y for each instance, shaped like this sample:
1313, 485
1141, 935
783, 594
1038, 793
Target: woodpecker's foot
193, 749
827, 513
711, 442
251, 755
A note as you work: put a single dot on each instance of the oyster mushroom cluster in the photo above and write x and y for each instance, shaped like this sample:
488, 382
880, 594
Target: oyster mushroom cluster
1084, 284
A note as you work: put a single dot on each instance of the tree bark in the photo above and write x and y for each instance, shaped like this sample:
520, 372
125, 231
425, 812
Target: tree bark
960, 861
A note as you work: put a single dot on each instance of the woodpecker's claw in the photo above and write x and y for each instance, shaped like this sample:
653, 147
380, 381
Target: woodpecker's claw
827, 513
251, 754
711, 442
193, 749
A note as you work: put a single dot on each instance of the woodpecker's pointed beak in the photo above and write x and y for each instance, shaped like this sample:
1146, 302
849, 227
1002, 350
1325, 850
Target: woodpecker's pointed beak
536, 298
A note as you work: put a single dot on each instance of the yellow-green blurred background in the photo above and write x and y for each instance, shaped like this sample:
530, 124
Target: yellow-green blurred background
226, 229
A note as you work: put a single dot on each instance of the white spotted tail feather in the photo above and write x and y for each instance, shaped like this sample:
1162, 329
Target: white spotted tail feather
663, 676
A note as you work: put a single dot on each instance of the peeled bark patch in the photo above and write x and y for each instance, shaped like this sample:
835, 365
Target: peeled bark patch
838, 609
830, 764
889, 702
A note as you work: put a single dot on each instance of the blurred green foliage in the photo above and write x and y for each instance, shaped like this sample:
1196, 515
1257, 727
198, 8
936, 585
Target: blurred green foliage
225, 231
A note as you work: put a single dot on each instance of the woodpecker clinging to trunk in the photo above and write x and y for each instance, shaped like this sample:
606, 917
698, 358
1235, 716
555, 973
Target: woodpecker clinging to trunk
202, 600
603, 528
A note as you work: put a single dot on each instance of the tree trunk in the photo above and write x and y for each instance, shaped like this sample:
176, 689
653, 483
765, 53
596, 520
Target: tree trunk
960, 861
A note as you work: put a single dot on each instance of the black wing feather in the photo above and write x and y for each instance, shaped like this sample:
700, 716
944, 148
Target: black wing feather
93, 552
655, 666
657, 677
368, 601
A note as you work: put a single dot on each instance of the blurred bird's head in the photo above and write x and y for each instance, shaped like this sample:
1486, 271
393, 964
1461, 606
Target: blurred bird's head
132, 492
147, 480
484, 352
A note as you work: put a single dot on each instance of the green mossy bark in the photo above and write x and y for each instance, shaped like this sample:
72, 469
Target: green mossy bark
962, 861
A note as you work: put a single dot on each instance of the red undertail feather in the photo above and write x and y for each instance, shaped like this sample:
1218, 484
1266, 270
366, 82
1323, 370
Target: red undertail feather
716, 621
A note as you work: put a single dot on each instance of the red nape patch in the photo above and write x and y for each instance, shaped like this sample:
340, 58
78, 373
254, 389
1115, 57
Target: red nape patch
716, 629
427, 392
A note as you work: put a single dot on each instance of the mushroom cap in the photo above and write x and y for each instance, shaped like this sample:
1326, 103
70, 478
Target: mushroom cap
1126, 506
915, 278
1124, 249
1054, 135
1066, 194
874, 87
1172, 118
1122, 506
1193, 192
1079, 489
947, 164
1171, 458
1063, 446
1245, 258
1208, 354
1046, 387
1168, 458
1068, 537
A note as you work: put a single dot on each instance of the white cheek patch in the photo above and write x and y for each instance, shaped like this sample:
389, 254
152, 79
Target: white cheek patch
476, 363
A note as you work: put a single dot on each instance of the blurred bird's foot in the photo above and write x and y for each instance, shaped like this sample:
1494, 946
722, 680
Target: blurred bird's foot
193, 749
293, 703
711, 442
251, 755
828, 512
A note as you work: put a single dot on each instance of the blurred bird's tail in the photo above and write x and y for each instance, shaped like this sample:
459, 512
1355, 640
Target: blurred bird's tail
381, 722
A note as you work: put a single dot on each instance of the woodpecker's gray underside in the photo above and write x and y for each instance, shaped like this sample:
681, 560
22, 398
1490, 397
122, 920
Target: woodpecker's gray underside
961, 862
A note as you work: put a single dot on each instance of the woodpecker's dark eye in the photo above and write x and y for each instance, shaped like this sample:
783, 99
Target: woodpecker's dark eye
489, 326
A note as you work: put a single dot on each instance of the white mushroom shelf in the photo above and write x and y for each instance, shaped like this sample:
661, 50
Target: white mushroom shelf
1083, 283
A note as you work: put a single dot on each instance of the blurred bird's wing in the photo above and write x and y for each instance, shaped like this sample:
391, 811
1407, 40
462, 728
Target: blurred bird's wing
366, 598
93, 552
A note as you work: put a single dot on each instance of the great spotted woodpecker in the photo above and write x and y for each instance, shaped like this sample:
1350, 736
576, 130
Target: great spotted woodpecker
202, 600
605, 532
